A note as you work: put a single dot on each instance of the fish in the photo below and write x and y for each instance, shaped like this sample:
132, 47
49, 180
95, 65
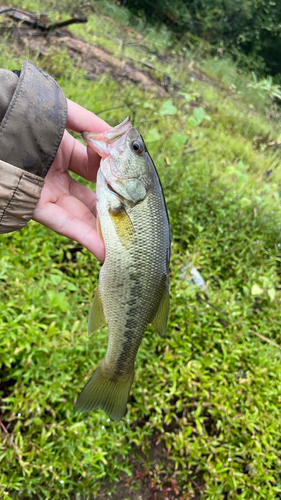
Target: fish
133, 288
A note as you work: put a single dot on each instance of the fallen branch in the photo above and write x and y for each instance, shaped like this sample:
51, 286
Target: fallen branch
35, 20
75, 44
9, 9
62, 24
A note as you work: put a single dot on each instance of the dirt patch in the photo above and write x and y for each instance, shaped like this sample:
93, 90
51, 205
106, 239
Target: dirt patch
32, 31
148, 482
153, 478
31, 34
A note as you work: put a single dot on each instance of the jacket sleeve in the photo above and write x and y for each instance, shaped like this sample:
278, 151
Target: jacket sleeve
33, 114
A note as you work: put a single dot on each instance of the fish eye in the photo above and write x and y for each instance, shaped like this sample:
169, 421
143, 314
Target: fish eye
138, 147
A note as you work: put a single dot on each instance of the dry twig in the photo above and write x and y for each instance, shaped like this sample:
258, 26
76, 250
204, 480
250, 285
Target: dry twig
35, 20
266, 339
13, 444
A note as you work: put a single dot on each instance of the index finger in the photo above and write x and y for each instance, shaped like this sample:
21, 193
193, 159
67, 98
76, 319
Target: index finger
80, 119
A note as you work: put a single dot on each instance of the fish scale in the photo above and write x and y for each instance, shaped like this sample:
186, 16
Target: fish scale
133, 288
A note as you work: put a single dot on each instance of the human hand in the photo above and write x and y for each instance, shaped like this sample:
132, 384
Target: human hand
65, 205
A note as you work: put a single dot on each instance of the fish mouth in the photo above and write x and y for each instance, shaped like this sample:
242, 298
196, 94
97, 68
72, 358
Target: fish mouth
101, 143
119, 131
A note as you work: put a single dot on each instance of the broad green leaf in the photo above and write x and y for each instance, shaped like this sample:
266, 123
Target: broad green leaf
199, 115
152, 135
148, 105
57, 299
245, 202
179, 139
230, 170
168, 108
55, 279
272, 293
233, 170
241, 178
256, 290
188, 97
71, 287
192, 122
241, 165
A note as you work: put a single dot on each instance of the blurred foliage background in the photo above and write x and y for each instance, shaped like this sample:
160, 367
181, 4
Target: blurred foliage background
249, 30
203, 418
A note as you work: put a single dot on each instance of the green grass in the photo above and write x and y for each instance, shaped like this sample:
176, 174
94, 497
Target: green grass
209, 391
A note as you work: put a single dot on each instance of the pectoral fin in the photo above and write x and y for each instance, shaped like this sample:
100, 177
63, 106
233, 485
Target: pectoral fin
99, 228
96, 319
160, 319
123, 226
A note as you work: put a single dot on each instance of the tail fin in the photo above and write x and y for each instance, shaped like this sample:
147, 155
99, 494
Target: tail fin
111, 395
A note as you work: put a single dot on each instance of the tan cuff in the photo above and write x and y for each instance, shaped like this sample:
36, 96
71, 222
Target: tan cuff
19, 194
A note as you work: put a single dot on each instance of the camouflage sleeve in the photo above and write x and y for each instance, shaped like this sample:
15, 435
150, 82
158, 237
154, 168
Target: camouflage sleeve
33, 114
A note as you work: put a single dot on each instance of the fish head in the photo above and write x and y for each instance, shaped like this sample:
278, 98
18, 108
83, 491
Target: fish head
125, 163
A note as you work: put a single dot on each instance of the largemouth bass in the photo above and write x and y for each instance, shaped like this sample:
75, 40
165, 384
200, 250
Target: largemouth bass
133, 287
